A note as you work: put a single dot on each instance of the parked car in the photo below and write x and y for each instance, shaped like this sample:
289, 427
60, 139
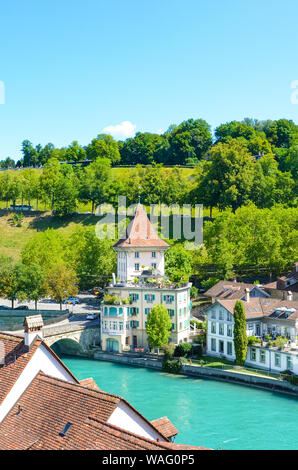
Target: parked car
3, 307
71, 300
22, 307
97, 291
91, 316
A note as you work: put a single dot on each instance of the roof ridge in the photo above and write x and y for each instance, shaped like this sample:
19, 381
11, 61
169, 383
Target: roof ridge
129, 433
80, 388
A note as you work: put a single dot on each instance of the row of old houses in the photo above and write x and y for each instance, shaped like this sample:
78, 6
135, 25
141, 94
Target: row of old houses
270, 312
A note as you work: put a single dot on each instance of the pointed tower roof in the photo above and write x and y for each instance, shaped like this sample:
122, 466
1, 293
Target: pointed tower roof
140, 233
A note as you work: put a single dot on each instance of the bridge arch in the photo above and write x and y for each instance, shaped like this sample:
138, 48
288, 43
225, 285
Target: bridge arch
69, 346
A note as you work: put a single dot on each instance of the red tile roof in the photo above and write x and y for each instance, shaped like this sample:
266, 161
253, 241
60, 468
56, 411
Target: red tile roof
257, 308
165, 427
140, 233
228, 290
49, 404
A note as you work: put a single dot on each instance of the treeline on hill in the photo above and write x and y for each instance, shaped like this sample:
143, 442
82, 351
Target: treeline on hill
250, 241
228, 179
186, 143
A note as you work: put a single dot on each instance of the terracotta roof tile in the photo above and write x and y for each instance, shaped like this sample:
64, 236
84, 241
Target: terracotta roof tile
165, 427
140, 233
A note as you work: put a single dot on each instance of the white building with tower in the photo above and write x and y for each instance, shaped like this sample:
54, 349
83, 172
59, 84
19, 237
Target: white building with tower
141, 284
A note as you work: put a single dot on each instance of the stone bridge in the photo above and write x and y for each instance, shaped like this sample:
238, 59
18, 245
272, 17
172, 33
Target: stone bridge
75, 338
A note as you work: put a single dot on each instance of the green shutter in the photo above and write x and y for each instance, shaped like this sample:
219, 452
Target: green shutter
137, 310
173, 326
145, 296
137, 323
164, 298
153, 297
137, 296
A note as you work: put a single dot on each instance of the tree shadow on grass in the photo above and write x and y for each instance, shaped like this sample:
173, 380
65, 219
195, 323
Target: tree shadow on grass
43, 222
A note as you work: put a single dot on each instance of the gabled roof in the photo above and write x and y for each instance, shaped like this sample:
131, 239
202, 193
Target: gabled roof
16, 357
229, 290
259, 308
165, 427
50, 405
140, 233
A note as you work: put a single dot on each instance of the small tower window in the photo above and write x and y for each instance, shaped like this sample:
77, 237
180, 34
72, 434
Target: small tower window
153, 254
137, 254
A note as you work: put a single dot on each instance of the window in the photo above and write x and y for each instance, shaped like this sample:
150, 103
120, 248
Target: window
277, 360
229, 330
137, 267
221, 315
230, 348
213, 314
171, 312
121, 325
213, 344
213, 327
149, 297
137, 254
134, 297
153, 254
168, 298
253, 354
289, 363
153, 265
221, 329
262, 356
229, 316
180, 326
221, 346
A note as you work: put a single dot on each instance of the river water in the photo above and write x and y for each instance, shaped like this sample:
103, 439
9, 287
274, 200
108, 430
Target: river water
205, 412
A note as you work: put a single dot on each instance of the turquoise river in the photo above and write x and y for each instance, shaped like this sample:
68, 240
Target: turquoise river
206, 412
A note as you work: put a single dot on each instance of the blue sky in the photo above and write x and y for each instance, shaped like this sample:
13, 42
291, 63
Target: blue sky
71, 68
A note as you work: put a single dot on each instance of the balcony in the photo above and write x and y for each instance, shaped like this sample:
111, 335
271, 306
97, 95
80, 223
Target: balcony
109, 331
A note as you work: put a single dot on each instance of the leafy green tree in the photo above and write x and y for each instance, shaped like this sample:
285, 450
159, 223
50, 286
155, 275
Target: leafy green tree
92, 259
191, 139
61, 282
45, 249
95, 182
178, 263
229, 176
240, 337
144, 148
158, 326
31, 283
9, 281
103, 146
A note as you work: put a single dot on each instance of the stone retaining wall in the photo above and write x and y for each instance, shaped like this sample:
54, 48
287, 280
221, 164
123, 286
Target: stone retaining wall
205, 372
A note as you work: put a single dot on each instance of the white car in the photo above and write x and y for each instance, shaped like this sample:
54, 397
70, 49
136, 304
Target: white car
91, 316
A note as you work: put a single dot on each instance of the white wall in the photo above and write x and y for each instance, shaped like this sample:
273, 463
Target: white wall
43, 361
126, 418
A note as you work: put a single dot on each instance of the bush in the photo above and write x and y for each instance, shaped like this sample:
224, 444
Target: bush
209, 283
198, 323
253, 340
193, 292
169, 350
182, 349
174, 366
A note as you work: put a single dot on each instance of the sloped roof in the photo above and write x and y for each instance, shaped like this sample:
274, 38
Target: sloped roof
140, 233
165, 427
15, 358
259, 307
229, 290
49, 404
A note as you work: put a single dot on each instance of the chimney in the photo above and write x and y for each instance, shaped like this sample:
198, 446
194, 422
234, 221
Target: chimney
289, 296
247, 296
33, 326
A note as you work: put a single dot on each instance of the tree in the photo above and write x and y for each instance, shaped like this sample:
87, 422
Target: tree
228, 178
240, 337
178, 263
158, 326
31, 283
145, 148
95, 181
191, 139
103, 146
9, 281
61, 283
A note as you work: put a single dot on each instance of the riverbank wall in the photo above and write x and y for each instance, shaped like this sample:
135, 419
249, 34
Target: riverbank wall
239, 378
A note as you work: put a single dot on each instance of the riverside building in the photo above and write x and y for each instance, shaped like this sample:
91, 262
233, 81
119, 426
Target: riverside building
141, 284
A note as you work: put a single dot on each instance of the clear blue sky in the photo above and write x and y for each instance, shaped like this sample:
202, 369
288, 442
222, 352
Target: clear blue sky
73, 67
